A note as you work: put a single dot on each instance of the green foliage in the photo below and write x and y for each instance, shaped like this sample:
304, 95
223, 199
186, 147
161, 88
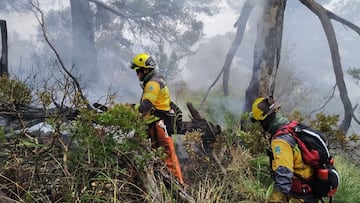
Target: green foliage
102, 160
328, 125
106, 154
256, 186
247, 177
236, 182
123, 116
261, 169
325, 123
45, 98
210, 190
237, 177
349, 187
2, 135
296, 115
114, 132
233, 129
240, 131
13, 92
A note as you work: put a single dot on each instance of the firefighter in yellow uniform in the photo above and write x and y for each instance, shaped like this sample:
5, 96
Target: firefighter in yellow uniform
155, 107
291, 175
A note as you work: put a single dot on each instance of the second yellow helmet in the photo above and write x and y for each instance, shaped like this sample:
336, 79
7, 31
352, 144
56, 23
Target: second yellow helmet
263, 107
142, 60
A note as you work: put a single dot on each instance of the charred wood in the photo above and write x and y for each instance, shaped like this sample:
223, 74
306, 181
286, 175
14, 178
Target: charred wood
26, 116
4, 51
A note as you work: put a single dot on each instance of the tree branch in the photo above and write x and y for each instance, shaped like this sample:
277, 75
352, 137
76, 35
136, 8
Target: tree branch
332, 15
123, 15
322, 14
240, 24
354, 117
343, 21
42, 25
106, 7
326, 102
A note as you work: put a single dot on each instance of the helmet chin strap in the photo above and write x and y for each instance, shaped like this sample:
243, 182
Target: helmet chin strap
145, 78
267, 123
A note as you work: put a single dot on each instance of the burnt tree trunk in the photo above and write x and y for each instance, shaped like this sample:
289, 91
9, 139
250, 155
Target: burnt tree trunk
4, 50
267, 52
241, 25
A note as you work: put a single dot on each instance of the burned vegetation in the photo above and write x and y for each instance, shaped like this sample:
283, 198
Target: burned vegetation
52, 152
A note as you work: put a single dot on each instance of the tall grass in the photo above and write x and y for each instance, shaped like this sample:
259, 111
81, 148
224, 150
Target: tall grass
349, 187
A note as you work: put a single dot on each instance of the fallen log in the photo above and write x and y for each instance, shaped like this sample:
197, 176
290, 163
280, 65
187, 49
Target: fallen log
209, 131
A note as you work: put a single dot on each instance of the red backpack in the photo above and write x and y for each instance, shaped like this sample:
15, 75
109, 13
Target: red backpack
315, 153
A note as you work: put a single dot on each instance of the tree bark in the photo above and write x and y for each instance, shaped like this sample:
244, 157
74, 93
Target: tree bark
83, 51
336, 60
267, 52
4, 72
241, 25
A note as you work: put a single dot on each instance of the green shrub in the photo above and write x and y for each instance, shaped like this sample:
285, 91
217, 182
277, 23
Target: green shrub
13, 92
109, 147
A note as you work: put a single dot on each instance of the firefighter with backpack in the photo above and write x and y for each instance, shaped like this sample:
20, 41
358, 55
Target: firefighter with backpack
293, 178
155, 107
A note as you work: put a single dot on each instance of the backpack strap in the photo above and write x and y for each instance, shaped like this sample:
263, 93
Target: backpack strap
292, 127
288, 128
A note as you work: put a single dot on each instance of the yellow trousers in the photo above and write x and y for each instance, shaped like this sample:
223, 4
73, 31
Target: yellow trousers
279, 197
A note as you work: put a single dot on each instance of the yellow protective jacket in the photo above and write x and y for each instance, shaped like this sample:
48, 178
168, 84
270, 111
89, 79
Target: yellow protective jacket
287, 163
156, 96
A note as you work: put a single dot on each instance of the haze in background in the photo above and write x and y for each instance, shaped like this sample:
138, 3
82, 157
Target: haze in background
304, 40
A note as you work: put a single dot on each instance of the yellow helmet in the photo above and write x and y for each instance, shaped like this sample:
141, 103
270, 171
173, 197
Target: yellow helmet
262, 107
142, 60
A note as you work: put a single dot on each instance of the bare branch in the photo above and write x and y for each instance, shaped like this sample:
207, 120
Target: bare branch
343, 21
123, 15
41, 21
211, 86
106, 7
332, 15
354, 117
326, 102
322, 14
240, 24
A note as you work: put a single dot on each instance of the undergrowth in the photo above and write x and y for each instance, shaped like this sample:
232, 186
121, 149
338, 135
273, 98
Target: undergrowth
104, 157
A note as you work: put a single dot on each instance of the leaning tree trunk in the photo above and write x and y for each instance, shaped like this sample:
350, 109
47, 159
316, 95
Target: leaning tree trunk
83, 51
241, 25
4, 50
335, 56
267, 51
